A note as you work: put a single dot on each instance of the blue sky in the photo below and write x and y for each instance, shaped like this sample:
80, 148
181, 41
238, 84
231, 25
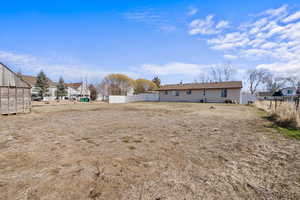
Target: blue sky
176, 40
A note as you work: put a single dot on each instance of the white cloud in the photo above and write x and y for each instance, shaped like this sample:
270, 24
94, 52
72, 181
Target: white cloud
265, 40
192, 11
151, 18
31, 65
292, 17
229, 41
175, 68
276, 12
222, 24
207, 26
230, 57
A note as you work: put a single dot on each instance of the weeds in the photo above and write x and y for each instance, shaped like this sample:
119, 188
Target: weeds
285, 119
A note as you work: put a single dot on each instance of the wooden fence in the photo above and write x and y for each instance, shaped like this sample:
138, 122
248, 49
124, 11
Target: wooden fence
14, 100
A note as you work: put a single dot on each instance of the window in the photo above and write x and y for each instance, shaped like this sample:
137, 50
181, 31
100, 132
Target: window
224, 93
175, 92
166, 92
189, 92
290, 91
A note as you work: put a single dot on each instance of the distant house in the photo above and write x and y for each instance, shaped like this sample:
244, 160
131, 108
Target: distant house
202, 92
77, 90
264, 95
50, 95
289, 91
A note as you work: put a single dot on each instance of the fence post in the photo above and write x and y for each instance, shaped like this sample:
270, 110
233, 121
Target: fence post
297, 102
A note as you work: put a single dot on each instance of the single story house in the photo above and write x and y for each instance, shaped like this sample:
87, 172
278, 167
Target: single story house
49, 96
214, 92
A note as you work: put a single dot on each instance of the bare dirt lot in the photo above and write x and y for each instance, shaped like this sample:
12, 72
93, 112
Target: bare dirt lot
146, 151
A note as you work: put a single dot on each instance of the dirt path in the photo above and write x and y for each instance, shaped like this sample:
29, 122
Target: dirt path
146, 151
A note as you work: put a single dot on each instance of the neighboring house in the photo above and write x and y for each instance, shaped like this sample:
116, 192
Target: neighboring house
264, 95
77, 90
202, 92
50, 95
290, 91
15, 96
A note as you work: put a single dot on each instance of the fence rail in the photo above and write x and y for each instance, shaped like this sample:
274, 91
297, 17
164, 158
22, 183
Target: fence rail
275, 102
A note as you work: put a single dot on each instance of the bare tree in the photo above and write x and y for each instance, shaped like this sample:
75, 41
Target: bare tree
218, 73
256, 78
202, 78
274, 83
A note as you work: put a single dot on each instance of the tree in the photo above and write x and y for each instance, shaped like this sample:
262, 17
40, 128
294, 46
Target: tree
143, 85
42, 83
222, 73
116, 84
217, 73
256, 78
157, 81
274, 83
61, 88
93, 92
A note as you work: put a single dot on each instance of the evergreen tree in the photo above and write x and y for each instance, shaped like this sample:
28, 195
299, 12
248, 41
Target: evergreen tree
157, 81
42, 83
61, 88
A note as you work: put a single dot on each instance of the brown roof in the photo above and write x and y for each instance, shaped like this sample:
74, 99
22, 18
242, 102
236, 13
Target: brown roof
196, 86
73, 85
32, 80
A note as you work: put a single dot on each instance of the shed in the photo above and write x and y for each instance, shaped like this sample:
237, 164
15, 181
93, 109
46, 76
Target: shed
15, 95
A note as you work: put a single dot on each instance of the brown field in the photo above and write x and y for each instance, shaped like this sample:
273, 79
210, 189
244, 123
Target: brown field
146, 151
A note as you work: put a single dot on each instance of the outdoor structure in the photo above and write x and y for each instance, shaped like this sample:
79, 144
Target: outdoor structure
77, 90
214, 92
15, 96
50, 95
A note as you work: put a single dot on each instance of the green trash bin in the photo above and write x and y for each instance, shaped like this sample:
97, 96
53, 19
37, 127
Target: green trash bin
85, 99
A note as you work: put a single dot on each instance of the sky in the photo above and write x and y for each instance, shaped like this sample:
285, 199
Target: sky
175, 40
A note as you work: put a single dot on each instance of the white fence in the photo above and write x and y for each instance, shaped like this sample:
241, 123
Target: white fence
133, 98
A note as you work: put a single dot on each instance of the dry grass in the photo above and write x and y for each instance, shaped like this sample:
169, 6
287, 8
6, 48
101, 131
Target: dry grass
145, 151
284, 115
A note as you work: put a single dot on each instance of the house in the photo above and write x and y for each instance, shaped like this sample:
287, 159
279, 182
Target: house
15, 96
217, 92
49, 96
264, 95
289, 91
76, 91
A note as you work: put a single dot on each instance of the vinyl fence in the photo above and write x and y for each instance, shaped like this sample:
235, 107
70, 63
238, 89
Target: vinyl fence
134, 98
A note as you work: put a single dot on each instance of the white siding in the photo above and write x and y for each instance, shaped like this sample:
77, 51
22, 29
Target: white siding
211, 95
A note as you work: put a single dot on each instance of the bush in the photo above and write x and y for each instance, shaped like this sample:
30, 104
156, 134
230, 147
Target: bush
228, 101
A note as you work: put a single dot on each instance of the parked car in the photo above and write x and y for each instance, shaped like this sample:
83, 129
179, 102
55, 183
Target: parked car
36, 98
